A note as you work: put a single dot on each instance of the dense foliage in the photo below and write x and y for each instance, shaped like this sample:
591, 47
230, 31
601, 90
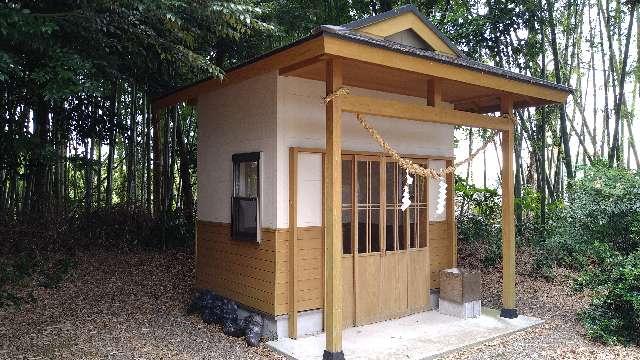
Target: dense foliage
600, 232
479, 224
603, 218
613, 316
597, 234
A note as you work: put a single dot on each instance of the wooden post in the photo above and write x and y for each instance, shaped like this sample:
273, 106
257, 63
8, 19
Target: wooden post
293, 239
434, 92
332, 211
508, 229
451, 213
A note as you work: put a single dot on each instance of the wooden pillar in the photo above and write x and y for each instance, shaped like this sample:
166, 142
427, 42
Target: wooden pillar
451, 213
508, 229
332, 215
293, 240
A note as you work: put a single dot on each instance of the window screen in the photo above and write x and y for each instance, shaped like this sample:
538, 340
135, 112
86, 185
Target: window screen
245, 203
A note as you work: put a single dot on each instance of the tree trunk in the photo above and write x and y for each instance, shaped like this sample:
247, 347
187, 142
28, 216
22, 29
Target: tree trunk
39, 165
518, 180
147, 151
615, 154
88, 173
157, 164
564, 133
185, 175
173, 198
131, 156
113, 112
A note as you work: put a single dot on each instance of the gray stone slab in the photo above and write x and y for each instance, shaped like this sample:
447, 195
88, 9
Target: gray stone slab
420, 336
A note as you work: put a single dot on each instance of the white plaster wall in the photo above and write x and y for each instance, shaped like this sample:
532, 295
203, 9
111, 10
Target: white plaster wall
301, 122
235, 119
309, 189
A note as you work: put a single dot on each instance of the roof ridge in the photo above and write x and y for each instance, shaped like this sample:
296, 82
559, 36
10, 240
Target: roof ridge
356, 24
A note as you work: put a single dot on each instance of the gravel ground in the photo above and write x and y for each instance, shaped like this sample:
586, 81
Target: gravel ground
131, 306
560, 337
119, 306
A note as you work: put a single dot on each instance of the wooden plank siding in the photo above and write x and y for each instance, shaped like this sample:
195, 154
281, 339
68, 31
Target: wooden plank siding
440, 249
242, 271
310, 268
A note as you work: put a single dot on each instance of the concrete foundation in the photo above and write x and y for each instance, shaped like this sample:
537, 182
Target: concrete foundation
309, 323
420, 336
465, 310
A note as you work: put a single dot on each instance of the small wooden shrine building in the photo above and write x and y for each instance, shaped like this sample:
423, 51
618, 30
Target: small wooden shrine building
298, 207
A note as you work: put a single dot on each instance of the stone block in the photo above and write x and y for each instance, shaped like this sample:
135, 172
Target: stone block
459, 285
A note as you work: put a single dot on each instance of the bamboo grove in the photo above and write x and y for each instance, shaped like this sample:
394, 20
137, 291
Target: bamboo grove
77, 80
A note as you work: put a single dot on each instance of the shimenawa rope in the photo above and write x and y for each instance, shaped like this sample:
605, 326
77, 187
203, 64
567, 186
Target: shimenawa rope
406, 164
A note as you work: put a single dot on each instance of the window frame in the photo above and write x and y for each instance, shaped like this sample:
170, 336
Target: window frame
236, 160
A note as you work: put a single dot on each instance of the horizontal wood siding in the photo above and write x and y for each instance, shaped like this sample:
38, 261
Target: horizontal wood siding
242, 271
440, 250
310, 260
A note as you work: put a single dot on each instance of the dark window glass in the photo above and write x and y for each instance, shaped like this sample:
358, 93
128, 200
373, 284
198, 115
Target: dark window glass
374, 230
390, 180
346, 231
363, 176
362, 231
374, 183
246, 193
402, 242
390, 231
346, 182
412, 226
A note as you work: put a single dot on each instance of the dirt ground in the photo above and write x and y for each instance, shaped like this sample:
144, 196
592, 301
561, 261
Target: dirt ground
131, 306
119, 306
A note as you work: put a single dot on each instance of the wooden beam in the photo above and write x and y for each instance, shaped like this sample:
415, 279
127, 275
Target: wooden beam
302, 64
332, 210
409, 111
508, 228
280, 59
367, 53
293, 237
434, 92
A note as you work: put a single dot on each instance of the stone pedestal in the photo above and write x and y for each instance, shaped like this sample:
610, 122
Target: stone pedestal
460, 293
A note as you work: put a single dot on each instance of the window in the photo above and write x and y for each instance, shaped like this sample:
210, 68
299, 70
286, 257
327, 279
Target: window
395, 220
347, 207
368, 205
245, 203
418, 211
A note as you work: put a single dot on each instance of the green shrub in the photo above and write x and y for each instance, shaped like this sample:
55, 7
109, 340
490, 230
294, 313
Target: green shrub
602, 217
478, 223
599, 231
613, 316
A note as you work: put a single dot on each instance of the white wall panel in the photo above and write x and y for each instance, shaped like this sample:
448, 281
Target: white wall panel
235, 119
309, 189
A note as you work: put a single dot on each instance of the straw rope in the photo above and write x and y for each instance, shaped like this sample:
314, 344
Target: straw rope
406, 164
